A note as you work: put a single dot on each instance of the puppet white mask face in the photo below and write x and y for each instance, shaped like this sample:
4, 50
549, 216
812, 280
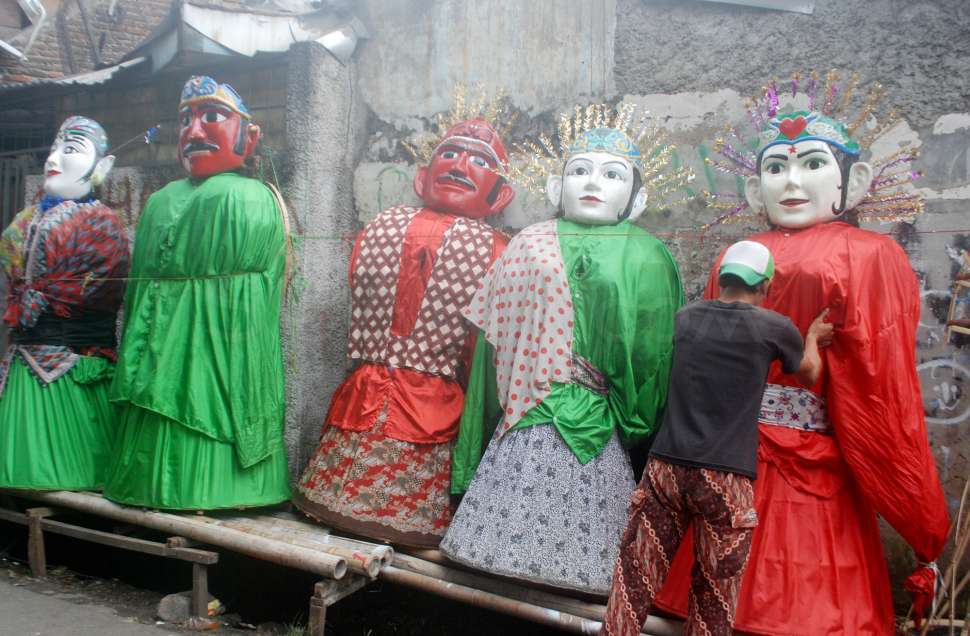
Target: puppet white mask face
800, 184
73, 168
595, 189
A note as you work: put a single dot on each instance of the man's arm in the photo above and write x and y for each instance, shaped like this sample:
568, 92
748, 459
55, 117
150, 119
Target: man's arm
819, 335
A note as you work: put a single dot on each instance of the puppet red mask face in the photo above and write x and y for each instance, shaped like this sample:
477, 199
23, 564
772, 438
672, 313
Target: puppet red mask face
214, 138
461, 178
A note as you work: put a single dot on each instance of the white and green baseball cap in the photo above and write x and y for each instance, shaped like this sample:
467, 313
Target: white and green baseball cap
748, 260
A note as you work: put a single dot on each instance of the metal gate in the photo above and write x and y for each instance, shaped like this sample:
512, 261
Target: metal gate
12, 172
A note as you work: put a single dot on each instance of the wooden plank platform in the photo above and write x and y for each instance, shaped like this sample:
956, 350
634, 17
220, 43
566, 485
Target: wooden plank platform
345, 564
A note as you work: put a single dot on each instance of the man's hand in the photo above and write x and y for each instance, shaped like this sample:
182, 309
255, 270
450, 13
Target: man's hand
820, 330
819, 335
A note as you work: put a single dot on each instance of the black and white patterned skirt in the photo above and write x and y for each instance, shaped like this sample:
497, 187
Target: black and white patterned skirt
534, 512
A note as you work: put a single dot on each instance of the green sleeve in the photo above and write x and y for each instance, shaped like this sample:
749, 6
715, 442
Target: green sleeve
657, 307
478, 419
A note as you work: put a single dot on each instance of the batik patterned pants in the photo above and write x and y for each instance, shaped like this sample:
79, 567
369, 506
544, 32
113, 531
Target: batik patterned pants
670, 498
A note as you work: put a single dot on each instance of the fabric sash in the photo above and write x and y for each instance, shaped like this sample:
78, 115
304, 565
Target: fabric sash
794, 407
91, 330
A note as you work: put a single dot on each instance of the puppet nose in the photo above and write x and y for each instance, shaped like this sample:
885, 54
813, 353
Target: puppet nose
195, 128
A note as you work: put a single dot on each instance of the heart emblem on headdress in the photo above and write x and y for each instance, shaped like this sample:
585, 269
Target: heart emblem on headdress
792, 128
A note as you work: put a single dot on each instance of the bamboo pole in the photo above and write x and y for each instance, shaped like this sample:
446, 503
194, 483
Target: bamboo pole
961, 539
505, 605
300, 558
501, 587
547, 601
362, 558
480, 598
316, 533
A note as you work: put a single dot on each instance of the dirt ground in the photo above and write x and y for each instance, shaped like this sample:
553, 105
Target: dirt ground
259, 597
132, 604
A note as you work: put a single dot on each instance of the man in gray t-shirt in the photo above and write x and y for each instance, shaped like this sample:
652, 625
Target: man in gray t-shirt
703, 460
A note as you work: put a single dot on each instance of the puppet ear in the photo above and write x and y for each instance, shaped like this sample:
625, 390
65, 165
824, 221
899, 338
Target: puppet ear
101, 169
639, 204
253, 133
502, 199
752, 192
860, 178
420, 178
554, 190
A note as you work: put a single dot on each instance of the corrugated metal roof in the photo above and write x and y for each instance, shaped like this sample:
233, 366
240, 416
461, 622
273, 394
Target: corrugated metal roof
82, 79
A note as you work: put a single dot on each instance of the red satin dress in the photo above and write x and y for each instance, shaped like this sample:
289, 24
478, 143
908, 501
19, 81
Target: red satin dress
816, 564
383, 466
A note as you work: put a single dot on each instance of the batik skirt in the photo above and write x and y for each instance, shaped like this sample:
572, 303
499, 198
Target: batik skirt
369, 484
534, 512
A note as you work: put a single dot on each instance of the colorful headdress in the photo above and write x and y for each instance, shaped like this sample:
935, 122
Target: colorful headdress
600, 128
608, 140
825, 120
87, 128
806, 126
202, 88
473, 126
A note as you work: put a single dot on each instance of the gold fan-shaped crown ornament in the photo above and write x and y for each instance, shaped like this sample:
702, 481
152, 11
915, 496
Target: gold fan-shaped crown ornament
838, 115
620, 131
494, 111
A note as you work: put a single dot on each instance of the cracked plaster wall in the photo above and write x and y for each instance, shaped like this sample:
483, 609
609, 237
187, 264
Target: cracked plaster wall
692, 64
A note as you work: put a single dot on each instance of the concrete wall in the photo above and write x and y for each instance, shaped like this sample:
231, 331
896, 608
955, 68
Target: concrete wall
692, 64
702, 58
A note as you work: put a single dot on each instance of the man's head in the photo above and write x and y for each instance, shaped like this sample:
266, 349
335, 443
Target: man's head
461, 178
808, 171
601, 181
216, 134
77, 161
745, 272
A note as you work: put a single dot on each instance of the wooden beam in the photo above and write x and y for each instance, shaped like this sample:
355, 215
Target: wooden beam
13, 517
318, 562
325, 594
144, 546
36, 553
200, 590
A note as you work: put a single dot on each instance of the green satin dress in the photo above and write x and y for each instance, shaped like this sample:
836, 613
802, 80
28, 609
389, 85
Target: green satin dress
200, 375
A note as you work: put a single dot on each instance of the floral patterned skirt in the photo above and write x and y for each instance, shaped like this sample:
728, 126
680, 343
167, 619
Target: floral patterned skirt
534, 512
369, 484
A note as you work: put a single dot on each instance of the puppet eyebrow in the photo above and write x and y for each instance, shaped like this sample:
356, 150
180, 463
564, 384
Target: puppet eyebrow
616, 163
808, 152
782, 157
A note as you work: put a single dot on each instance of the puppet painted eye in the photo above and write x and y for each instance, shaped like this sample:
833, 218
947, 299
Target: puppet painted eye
479, 161
775, 168
580, 171
614, 174
449, 154
213, 117
814, 164
186, 119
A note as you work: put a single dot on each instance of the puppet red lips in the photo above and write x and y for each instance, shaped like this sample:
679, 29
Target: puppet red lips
53, 173
591, 199
791, 203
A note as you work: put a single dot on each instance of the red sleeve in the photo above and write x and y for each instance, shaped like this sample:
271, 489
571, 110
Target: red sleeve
874, 396
354, 253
